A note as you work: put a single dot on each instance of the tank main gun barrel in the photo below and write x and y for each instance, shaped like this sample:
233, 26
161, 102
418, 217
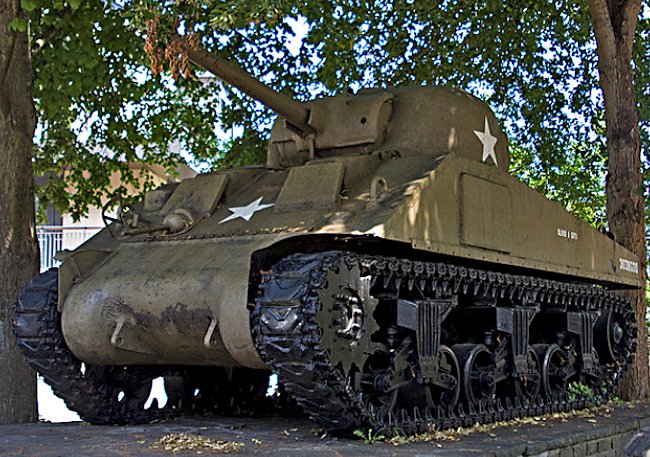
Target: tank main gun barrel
286, 107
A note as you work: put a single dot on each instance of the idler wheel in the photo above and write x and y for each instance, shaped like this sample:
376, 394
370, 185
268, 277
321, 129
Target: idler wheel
478, 372
609, 336
555, 369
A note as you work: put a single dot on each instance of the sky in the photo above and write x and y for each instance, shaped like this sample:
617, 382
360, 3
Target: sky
52, 409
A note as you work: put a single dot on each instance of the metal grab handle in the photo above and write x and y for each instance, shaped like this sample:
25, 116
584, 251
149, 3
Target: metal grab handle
376, 193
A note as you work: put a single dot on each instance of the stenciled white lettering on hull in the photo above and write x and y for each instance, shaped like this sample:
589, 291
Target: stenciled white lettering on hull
564, 233
628, 265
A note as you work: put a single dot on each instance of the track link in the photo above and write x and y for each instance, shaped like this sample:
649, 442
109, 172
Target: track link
117, 395
290, 340
90, 391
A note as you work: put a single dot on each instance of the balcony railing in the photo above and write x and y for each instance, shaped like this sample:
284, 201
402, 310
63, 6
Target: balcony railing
54, 238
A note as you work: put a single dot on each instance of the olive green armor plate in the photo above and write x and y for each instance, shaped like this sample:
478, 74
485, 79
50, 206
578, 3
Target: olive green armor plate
183, 298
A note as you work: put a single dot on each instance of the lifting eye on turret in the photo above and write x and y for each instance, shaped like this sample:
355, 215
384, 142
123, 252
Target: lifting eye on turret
364, 120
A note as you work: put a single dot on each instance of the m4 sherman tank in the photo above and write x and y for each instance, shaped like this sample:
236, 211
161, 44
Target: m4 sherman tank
383, 263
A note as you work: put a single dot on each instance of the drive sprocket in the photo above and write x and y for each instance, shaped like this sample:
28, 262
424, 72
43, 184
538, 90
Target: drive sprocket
310, 325
346, 318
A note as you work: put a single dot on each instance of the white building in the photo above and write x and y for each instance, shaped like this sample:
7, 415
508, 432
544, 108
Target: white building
62, 232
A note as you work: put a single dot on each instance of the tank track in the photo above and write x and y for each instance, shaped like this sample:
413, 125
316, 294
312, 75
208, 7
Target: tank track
101, 395
291, 338
117, 395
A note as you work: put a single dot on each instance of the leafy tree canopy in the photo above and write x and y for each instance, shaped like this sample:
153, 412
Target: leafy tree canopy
100, 107
534, 62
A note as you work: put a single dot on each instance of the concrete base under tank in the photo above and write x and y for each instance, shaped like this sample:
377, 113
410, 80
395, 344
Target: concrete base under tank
613, 431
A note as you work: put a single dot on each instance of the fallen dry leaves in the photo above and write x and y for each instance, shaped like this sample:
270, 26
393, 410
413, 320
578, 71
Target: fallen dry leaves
176, 442
455, 434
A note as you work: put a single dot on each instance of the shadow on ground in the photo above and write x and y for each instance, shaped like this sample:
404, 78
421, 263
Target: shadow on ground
604, 432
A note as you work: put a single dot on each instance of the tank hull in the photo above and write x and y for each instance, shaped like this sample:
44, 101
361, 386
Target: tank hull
186, 299
384, 263
158, 313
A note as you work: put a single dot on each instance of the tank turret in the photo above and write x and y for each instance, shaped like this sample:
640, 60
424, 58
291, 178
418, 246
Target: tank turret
414, 120
383, 263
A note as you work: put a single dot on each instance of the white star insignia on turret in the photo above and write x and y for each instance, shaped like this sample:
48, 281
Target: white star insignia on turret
489, 141
246, 212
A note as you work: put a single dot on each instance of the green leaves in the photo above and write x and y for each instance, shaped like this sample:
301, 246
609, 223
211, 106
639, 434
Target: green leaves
18, 25
28, 5
99, 107
533, 62
368, 436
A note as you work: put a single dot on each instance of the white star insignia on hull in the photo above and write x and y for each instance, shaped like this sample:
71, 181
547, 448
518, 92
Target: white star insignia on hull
246, 212
489, 141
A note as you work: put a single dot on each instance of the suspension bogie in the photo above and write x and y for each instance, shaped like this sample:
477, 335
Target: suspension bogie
441, 341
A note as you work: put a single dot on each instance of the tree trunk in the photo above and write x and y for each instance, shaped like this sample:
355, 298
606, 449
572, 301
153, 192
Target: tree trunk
614, 25
18, 248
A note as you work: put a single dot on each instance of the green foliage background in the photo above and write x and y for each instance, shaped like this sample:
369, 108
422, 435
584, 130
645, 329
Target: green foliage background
534, 62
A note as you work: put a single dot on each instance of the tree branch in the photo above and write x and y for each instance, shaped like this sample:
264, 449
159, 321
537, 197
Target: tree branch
603, 29
50, 33
631, 11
